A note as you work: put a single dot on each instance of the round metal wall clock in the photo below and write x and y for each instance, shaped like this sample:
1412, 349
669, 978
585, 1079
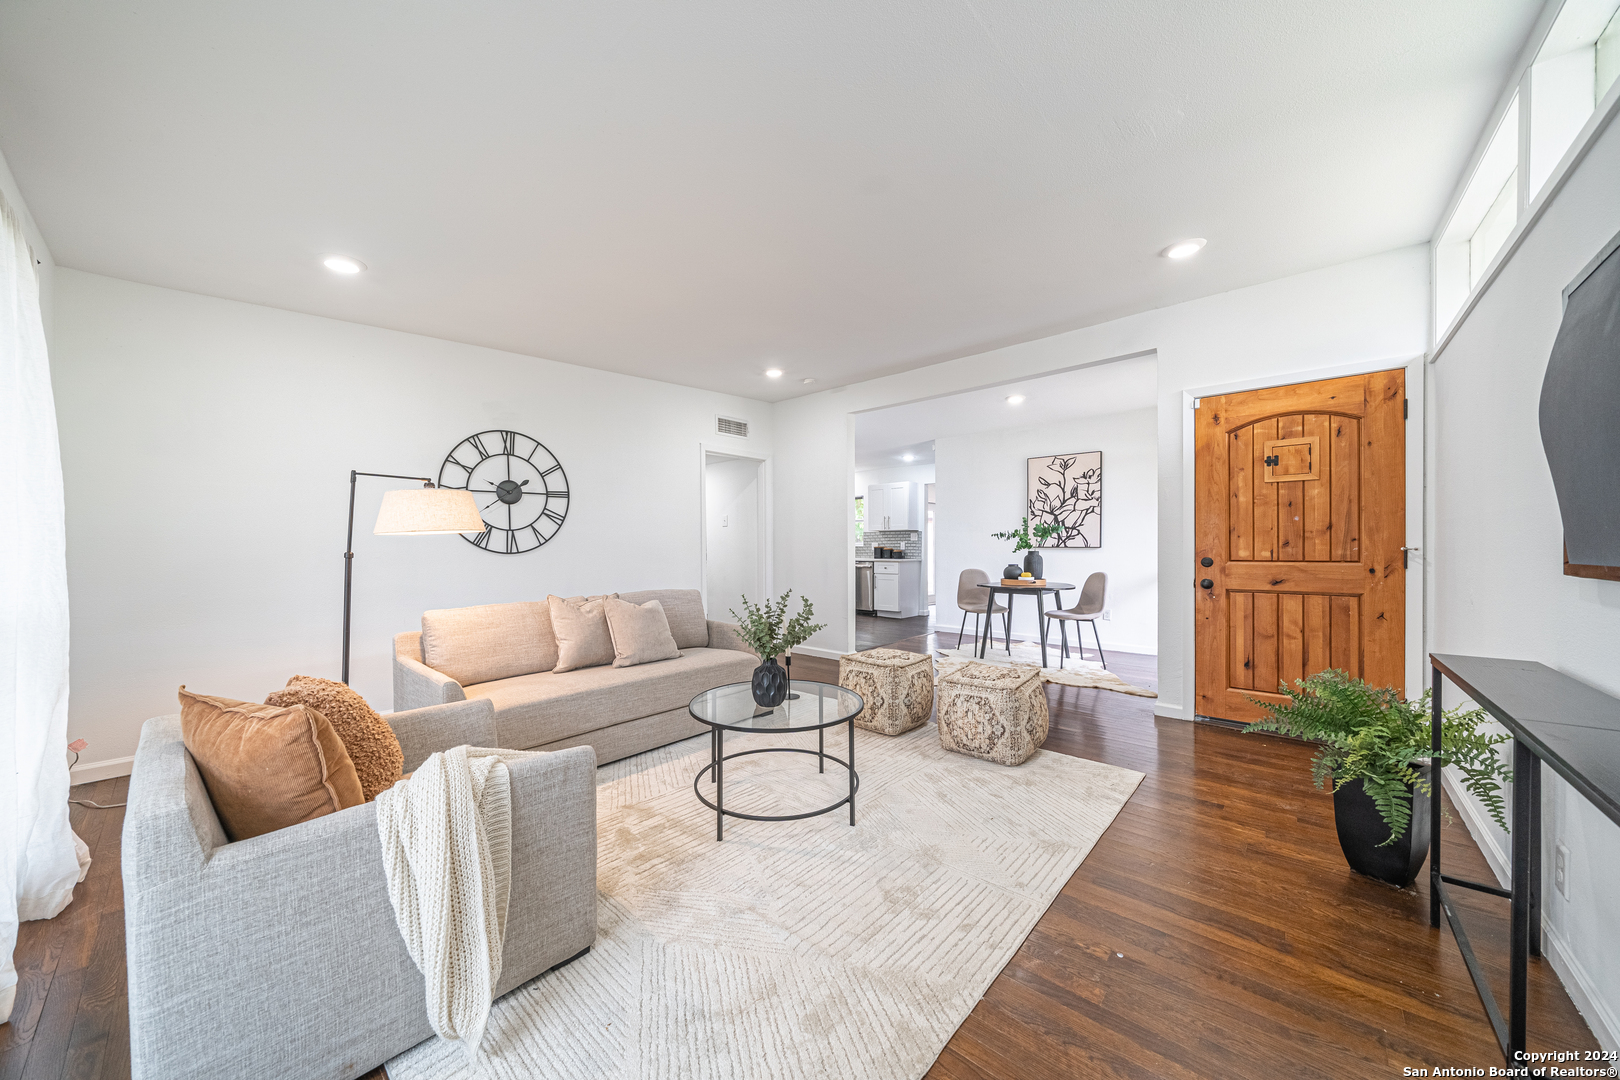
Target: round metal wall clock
520, 486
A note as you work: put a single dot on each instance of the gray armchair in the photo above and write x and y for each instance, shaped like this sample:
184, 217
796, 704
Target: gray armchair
279, 955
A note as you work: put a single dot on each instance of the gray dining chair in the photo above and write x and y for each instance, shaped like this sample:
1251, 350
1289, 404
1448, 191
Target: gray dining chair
1087, 609
969, 597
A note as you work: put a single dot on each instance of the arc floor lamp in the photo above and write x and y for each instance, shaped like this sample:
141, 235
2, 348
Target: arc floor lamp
424, 511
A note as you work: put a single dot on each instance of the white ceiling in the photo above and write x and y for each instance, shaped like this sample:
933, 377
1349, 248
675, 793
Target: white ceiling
883, 435
696, 192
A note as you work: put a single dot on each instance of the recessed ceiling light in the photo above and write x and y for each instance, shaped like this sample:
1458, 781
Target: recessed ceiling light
774, 373
343, 264
1184, 248
908, 457
1015, 399
807, 382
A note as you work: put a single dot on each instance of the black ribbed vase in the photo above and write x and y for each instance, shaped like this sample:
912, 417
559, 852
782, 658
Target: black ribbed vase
1034, 565
770, 684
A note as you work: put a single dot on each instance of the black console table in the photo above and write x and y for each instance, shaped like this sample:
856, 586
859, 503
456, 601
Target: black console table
1575, 730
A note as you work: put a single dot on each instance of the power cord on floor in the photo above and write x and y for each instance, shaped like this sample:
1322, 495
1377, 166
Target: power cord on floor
87, 802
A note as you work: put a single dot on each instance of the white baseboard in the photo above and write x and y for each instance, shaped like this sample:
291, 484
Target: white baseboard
88, 772
1169, 710
1578, 984
1584, 996
813, 650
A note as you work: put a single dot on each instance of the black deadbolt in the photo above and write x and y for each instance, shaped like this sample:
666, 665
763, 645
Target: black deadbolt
1206, 561
1206, 584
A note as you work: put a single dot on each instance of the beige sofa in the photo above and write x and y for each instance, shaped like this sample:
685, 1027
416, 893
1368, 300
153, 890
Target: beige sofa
506, 652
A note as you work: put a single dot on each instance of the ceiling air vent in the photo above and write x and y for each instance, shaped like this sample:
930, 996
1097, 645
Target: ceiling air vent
730, 425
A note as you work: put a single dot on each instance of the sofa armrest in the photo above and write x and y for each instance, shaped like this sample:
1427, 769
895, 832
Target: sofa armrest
439, 727
725, 635
417, 686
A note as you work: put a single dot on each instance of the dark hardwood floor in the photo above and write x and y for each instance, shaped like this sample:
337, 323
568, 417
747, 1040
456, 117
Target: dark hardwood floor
1214, 931
875, 631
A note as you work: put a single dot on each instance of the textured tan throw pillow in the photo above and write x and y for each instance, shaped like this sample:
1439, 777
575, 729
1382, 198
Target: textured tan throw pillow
371, 743
583, 638
640, 632
266, 767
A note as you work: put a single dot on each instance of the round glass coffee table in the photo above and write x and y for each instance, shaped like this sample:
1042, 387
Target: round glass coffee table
811, 706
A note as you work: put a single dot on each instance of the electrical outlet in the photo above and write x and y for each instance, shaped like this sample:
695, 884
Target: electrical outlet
725, 521
1105, 615
1561, 871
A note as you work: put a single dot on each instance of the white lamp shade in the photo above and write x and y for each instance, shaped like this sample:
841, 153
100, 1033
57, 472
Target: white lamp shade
428, 510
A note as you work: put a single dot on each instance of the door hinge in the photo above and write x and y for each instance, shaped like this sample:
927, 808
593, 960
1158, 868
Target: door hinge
1272, 460
1406, 408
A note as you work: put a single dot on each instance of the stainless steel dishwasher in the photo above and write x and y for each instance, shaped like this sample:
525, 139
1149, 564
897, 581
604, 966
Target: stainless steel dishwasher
865, 588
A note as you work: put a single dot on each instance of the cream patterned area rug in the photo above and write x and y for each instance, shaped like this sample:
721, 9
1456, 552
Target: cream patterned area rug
804, 949
1074, 672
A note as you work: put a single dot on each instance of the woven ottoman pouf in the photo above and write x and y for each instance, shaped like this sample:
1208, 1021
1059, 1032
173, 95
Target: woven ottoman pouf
897, 686
993, 712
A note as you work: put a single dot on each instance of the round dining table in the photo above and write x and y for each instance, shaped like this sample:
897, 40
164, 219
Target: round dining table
1039, 591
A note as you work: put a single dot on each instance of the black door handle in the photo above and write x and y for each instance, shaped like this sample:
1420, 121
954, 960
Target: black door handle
1206, 584
1206, 561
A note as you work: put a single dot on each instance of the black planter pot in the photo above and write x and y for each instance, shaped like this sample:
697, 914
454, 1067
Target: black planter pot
1033, 564
770, 684
1362, 829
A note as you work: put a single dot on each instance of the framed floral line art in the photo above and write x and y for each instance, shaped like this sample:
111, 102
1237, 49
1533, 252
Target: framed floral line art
1066, 490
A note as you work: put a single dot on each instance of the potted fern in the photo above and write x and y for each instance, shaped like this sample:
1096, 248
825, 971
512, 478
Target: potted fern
1374, 753
768, 633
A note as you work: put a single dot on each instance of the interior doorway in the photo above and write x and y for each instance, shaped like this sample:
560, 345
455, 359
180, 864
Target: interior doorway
1299, 527
735, 560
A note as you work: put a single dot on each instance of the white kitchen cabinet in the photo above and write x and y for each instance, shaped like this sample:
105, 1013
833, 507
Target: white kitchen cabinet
877, 507
897, 587
894, 507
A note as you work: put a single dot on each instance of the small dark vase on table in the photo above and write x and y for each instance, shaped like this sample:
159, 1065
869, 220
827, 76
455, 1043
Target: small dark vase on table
1362, 832
770, 684
1010, 571
1033, 564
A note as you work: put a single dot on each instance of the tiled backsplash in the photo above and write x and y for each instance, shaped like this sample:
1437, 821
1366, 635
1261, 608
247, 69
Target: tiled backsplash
910, 542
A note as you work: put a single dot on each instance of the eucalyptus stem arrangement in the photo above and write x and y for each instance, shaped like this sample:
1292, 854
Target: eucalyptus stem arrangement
1373, 734
766, 629
1042, 531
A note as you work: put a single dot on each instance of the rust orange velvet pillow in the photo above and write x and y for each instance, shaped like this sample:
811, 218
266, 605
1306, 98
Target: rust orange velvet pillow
266, 767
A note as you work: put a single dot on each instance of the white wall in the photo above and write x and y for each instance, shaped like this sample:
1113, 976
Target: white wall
732, 530
207, 444
981, 491
1372, 312
1496, 543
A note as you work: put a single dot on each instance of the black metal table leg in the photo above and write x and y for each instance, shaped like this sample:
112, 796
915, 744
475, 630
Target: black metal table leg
719, 783
852, 770
989, 613
1007, 635
1525, 763
1535, 857
821, 750
1040, 621
1435, 714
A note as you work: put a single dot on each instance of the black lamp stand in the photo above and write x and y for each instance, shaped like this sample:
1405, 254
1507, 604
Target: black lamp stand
348, 554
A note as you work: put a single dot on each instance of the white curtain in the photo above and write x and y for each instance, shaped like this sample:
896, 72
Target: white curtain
39, 863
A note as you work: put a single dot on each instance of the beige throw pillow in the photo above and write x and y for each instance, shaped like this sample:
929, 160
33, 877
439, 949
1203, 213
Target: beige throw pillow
640, 633
583, 638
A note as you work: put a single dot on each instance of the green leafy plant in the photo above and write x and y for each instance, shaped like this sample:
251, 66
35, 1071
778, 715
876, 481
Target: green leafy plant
1373, 734
1041, 530
766, 629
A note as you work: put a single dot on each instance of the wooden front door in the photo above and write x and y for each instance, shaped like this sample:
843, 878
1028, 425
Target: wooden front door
1300, 515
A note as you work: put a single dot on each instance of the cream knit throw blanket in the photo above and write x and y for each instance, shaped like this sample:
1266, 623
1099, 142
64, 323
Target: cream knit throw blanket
447, 851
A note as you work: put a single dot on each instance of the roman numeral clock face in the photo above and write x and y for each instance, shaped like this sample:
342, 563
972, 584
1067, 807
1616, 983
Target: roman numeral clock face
520, 486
